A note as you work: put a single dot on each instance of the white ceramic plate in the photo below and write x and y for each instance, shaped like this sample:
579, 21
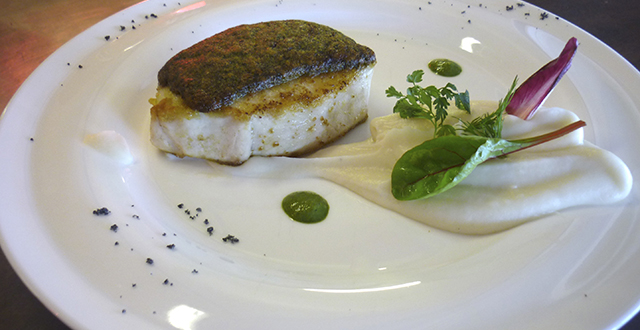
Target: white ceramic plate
363, 267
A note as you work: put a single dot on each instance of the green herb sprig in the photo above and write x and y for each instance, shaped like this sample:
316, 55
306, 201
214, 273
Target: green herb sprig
490, 124
441, 163
429, 102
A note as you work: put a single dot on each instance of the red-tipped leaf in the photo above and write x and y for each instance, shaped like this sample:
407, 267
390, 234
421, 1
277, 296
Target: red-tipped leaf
532, 93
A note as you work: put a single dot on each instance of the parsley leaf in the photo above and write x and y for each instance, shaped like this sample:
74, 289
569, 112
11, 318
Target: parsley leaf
429, 102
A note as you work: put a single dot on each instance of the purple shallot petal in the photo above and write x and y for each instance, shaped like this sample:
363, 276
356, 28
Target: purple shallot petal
532, 93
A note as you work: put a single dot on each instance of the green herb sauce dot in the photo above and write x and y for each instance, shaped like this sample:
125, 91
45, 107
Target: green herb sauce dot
305, 207
445, 67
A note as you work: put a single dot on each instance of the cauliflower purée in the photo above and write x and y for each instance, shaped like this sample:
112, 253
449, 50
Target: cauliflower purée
499, 194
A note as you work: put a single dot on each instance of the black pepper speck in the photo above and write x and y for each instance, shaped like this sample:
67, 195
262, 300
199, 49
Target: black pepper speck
101, 211
114, 228
107, 38
230, 238
210, 231
171, 246
150, 261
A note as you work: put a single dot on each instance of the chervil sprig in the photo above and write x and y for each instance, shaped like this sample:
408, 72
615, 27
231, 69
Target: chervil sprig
429, 102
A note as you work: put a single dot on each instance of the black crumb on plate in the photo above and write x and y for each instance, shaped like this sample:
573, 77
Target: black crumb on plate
101, 211
230, 238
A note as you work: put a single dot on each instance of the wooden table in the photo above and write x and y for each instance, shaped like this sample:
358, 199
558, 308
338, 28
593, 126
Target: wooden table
30, 30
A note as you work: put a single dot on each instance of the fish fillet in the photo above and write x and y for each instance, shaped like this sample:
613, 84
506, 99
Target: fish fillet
296, 87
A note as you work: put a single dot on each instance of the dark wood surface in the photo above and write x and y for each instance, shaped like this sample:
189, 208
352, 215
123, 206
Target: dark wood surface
30, 30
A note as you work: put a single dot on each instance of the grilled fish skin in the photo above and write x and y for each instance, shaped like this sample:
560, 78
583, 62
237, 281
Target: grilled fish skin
276, 104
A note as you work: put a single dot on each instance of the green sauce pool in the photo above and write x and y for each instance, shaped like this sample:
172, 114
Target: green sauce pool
445, 67
305, 207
